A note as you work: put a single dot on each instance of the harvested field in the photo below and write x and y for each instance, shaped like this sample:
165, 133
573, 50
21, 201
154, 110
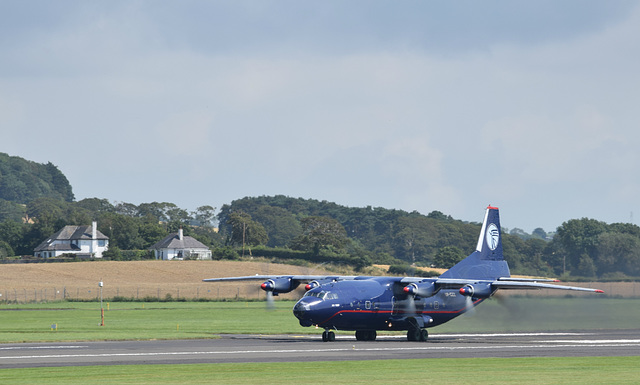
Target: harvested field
182, 279
135, 279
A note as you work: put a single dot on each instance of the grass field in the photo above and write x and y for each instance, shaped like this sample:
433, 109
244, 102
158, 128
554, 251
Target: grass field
522, 371
76, 321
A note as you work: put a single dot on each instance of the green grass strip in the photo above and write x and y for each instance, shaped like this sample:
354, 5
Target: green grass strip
521, 371
79, 321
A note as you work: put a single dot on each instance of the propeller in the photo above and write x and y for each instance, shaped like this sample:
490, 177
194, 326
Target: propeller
469, 308
269, 287
276, 286
412, 291
410, 308
478, 291
270, 301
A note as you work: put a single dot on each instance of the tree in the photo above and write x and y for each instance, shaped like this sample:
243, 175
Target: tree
586, 267
415, 238
578, 239
176, 214
539, 233
127, 209
438, 215
5, 250
164, 211
123, 231
618, 252
519, 233
10, 211
96, 205
245, 231
22, 181
205, 215
320, 233
281, 226
13, 234
60, 182
448, 256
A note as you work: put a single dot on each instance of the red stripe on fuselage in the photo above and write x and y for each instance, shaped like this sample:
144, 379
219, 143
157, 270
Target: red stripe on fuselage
399, 312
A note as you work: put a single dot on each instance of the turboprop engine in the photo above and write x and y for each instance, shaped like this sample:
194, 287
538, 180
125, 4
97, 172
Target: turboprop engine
477, 290
421, 289
279, 285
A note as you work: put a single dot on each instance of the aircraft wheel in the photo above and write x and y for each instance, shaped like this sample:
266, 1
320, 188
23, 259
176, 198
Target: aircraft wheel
366, 335
328, 336
413, 334
424, 334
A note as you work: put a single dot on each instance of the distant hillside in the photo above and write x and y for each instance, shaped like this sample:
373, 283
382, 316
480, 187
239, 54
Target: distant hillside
22, 181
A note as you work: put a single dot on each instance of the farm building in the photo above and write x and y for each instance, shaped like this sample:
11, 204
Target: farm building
178, 246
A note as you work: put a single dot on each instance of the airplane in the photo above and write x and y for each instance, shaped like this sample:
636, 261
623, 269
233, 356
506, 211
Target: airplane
368, 304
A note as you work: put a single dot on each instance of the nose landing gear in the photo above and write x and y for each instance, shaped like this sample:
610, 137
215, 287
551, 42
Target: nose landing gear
328, 336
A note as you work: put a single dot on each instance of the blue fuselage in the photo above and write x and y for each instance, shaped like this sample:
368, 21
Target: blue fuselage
377, 304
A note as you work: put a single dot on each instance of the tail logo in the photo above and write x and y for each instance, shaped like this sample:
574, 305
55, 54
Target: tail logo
493, 236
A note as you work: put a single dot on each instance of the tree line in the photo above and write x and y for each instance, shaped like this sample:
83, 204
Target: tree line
580, 248
282, 227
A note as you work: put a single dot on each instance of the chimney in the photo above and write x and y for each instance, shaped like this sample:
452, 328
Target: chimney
180, 235
94, 240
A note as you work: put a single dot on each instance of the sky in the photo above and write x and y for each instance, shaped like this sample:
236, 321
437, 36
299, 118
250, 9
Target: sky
414, 105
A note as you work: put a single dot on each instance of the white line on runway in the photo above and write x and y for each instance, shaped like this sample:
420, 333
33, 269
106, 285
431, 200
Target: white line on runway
42, 347
492, 335
592, 341
328, 350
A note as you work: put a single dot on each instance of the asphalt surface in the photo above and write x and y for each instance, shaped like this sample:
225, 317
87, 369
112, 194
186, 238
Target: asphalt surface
297, 348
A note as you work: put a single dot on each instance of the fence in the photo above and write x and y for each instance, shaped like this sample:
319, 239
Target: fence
223, 291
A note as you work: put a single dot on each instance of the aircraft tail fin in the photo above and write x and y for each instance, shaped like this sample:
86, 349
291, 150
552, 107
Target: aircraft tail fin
487, 261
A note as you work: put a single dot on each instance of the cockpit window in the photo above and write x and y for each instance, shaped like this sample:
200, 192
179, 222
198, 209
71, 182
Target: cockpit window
331, 295
324, 295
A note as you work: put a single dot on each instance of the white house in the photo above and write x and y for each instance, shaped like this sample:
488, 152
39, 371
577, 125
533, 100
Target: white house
84, 241
177, 246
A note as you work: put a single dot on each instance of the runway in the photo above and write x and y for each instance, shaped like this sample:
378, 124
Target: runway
298, 348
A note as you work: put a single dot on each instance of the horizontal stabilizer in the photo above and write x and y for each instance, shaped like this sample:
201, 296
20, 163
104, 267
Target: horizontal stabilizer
537, 286
527, 279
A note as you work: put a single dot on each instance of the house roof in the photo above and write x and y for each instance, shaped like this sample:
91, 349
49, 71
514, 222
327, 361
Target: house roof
172, 241
69, 233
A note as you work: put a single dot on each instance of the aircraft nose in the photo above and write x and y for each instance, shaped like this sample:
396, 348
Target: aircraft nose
303, 309
300, 309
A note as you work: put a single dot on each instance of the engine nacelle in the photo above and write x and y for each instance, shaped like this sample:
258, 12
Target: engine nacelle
319, 282
478, 291
423, 289
279, 285
311, 285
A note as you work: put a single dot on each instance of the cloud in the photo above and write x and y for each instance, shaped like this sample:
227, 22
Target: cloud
419, 107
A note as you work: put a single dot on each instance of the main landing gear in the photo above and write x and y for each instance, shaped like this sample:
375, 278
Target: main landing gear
366, 335
328, 336
413, 334
417, 334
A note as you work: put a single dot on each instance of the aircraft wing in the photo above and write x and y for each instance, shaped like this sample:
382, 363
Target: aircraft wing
506, 283
299, 278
